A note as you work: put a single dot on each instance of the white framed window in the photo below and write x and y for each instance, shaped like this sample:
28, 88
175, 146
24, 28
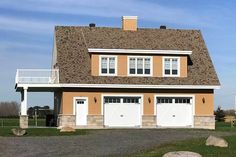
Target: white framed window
139, 66
171, 66
108, 65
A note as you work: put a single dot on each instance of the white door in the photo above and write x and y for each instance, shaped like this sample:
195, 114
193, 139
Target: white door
81, 111
174, 111
122, 111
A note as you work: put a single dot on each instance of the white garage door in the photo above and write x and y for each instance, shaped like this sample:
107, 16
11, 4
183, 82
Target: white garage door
174, 111
122, 111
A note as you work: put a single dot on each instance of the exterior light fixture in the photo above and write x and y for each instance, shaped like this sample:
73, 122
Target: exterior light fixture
149, 100
95, 99
203, 100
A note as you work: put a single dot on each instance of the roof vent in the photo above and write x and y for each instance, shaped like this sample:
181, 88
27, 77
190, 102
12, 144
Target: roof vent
162, 27
92, 25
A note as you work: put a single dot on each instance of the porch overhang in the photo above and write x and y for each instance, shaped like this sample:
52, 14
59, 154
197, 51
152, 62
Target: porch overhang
54, 87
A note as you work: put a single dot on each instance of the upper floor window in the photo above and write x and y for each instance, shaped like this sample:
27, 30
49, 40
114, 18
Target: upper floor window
139, 66
171, 66
108, 65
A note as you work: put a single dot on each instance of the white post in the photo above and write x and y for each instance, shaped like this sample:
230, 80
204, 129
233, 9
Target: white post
24, 102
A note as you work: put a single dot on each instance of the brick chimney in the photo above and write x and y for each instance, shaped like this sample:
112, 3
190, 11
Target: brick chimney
129, 23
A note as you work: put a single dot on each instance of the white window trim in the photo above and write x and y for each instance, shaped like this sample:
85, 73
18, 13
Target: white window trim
151, 66
163, 66
175, 95
100, 65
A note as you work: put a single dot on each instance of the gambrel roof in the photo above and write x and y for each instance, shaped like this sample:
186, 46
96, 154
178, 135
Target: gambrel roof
74, 60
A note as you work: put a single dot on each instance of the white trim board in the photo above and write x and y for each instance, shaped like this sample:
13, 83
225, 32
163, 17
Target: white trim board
119, 86
140, 51
130, 17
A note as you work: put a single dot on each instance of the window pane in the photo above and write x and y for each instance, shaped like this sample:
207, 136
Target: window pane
167, 72
140, 63
132, 71
174, 72
132, 65
140, 71
147, 65
104, 65
111, 71
104, 71
147, 71
112, 63
167, 66
174, 64
140, 66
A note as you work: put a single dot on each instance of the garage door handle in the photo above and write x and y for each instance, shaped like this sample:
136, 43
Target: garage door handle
121, 115
173, 115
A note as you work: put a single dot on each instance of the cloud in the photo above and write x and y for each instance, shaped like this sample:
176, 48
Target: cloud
14, 55
106, 8
23, 25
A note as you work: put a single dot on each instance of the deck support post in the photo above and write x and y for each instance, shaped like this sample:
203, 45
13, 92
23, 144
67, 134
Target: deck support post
23, 109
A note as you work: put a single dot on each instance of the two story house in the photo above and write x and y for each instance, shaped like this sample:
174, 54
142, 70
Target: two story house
126, 77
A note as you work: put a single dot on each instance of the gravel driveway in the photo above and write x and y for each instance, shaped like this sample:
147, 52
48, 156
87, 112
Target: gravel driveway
96, 143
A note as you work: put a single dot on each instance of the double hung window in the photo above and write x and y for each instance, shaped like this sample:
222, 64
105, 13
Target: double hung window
139, 66
108, 65
171, 66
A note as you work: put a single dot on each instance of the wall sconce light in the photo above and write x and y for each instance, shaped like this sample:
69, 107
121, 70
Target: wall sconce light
149, 100
203, 100
95, 99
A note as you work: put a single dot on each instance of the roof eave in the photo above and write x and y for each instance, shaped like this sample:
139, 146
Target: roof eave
140, 51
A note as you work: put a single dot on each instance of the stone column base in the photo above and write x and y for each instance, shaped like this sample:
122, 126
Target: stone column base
149, 121
95, 121
204, 122
24, 121
66, 121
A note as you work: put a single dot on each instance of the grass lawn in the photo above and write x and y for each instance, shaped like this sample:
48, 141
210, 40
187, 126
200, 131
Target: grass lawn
198, 145
15, 122
195, 145
6, 131
222, 126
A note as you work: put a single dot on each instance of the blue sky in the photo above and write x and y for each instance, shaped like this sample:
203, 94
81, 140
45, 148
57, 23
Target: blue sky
26, 33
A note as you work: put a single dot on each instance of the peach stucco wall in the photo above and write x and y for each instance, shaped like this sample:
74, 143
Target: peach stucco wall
122, 64
122, 61
183, 66
206, 108
148, 107
157, 66
93, 108
95, 65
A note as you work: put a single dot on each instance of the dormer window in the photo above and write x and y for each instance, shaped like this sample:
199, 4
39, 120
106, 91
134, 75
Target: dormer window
139, 66
171, 66
108, 65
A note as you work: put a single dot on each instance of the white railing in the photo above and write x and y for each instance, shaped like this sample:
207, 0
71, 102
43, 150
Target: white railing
37, 76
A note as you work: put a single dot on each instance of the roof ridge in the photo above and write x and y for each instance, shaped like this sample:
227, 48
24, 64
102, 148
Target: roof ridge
139, 28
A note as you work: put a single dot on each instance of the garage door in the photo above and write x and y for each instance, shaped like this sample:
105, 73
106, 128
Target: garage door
122, 111
174, 111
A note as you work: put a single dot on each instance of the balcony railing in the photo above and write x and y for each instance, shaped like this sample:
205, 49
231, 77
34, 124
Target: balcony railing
37, 76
